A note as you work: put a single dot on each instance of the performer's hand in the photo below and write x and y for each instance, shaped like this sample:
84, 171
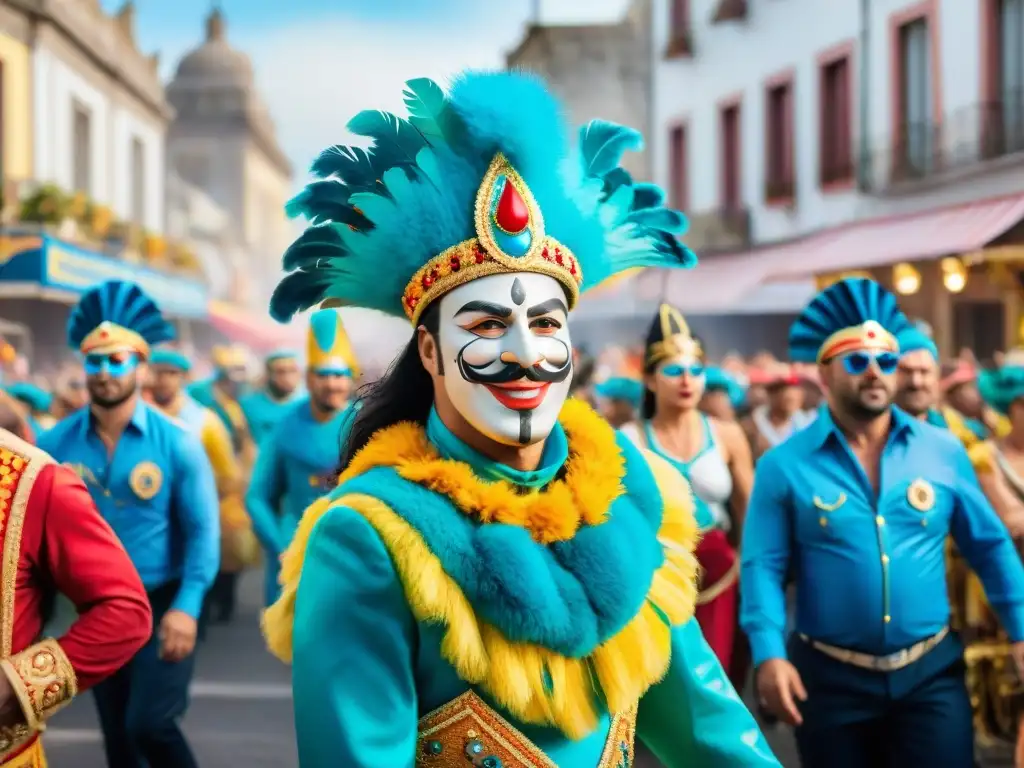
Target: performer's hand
1014, 521
177, 635
780, 687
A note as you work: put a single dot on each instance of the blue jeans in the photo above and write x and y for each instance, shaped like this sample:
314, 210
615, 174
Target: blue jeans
140, 705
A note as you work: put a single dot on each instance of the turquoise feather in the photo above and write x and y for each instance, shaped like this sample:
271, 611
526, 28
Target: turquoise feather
416, 187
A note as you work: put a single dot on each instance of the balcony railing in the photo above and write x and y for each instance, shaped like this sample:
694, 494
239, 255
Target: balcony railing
723, 229
928, 152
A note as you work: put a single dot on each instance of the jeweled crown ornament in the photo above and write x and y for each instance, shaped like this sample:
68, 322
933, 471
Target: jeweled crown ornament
482, 180
509, 238
670, 337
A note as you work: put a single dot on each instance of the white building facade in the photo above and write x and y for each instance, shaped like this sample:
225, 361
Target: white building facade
775, 118
100, 112
802, 135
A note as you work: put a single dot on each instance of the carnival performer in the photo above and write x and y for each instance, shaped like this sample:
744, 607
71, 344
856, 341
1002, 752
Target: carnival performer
619, 398
782, 414
265, 407
723, 396
712, 455
876, 677
152, 482
959, 387
54, 540
222, 392
169, 369
298, 463
524, 577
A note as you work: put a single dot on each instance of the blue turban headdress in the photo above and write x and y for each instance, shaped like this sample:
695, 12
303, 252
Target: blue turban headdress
717, 380
172, 358
621, 388
479, 181
855, 313
116, 316
914, 339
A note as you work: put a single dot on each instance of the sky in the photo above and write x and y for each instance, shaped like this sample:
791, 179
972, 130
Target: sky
319, 62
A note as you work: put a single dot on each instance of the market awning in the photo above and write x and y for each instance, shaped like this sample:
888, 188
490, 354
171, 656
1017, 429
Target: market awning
258, 331
879, 242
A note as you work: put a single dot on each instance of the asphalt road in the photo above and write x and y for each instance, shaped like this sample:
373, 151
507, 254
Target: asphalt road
241, 713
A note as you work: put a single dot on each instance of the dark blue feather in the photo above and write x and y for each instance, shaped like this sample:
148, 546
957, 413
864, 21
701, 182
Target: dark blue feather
395, 140
353, 165
618, 177
316, 244
298, 292
324, 201
647, 196
602, 145
431, 113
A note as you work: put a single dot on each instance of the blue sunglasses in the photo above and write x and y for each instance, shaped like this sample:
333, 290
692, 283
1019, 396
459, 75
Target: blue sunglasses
675, 370
116, 364
857, 363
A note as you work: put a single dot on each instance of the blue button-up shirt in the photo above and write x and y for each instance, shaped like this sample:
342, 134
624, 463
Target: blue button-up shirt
156, 491
870, 567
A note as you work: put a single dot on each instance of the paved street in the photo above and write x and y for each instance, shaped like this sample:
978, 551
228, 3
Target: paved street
241, 706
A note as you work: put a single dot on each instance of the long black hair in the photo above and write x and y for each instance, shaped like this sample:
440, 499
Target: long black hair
404, 393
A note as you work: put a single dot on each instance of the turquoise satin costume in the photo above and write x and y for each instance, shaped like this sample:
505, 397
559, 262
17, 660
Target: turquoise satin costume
297, 464
552, 607
263, 412
358, 696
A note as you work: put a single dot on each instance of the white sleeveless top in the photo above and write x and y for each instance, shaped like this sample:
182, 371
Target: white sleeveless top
707, 472
775, 435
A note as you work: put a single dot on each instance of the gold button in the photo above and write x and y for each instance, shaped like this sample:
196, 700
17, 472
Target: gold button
823, 521
885, 559
106, 492
887, 619
880, 521
924, 522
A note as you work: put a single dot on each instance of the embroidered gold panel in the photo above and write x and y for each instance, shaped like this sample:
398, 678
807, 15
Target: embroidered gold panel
19, 465
467, 732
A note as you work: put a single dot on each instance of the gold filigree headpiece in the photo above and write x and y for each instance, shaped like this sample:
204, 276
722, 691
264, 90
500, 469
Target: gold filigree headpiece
509, 238
675, 338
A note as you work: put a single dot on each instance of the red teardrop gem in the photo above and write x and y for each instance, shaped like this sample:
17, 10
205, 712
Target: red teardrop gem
511, 214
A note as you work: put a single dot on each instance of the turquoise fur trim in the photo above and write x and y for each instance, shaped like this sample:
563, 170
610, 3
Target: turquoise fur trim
323, 325
568, 597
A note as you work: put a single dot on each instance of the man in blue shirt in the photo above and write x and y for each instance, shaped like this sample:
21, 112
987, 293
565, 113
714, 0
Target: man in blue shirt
265, 407
153, 483
298, 462
858, 507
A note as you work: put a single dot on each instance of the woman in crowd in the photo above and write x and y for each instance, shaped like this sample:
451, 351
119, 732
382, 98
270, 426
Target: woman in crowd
711, 454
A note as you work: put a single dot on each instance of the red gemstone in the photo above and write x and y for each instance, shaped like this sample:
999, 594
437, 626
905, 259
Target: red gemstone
454, 263
558, 258
545, 254
479, 256
511, 214
572, 267
427, 280
871, 334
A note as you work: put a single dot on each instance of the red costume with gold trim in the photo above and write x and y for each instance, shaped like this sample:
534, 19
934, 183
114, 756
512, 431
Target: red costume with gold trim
52, 536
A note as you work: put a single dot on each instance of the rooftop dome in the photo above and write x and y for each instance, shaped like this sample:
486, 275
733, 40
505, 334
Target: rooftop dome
214, 63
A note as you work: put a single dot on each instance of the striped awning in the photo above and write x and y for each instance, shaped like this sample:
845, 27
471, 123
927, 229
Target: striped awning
258, 331
957, 230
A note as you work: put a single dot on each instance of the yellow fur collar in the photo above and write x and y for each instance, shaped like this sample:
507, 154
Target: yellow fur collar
592, 479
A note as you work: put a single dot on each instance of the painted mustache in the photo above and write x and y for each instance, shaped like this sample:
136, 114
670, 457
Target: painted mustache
513, 372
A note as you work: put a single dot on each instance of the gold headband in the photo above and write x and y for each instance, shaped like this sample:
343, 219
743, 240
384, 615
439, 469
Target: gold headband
868, 335
505, 207
676, 340
107, 338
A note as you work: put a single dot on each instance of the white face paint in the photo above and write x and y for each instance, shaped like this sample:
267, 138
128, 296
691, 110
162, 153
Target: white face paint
507, 355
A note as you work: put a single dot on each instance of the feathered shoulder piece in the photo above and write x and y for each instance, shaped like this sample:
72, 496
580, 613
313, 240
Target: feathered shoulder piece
480, 181
851, 314
116, 316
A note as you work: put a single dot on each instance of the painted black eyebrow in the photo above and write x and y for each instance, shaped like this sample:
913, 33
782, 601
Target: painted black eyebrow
551, 305
486, 308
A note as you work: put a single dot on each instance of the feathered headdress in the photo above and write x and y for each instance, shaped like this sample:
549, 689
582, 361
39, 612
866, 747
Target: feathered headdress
669, 336
855, 313
1001, 386
480, 181
328, 349
116, 316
